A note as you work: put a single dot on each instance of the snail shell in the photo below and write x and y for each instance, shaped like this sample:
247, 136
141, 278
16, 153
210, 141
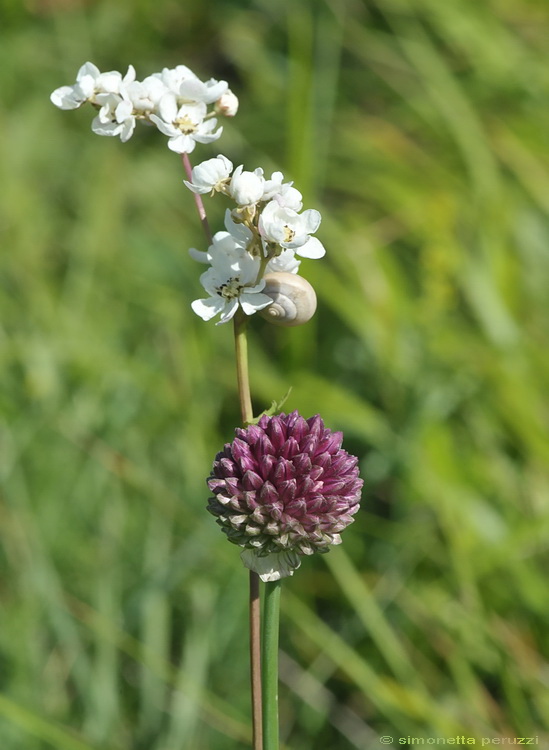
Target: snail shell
294, 299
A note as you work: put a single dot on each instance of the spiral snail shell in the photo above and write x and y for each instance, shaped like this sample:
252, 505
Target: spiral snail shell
294, 299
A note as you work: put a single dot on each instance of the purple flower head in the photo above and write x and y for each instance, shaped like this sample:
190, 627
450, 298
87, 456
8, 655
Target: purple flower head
284, 488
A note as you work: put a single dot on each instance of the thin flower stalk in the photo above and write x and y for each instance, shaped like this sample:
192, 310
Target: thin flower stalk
269, 664
198, 200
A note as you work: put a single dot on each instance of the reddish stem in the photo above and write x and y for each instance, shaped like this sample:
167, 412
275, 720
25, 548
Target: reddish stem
197, 199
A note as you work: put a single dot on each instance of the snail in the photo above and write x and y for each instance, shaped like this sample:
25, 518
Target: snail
294, 299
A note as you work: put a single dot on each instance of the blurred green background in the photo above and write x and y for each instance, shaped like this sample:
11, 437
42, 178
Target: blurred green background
419, 129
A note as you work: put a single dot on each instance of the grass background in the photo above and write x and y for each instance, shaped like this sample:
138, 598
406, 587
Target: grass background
419, 128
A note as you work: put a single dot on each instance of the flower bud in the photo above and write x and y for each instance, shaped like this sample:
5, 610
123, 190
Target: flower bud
247, 187
227, 105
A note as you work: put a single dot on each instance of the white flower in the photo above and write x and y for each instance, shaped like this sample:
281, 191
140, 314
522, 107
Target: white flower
240, 232
125, 117
197, 91
227, 105
89, 82
68, 97
272, 186
188, 88
115, 117
184, 125
247, 187
172, 78
230, 282
286, 261
234, 241
138, 98
113, 82
71, 97
282, 192
145, 95
210, 175
223, 244
291, 230
289, 197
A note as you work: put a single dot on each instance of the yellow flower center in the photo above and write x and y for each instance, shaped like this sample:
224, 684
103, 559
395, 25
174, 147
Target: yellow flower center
231, 288
185, 124
289, 234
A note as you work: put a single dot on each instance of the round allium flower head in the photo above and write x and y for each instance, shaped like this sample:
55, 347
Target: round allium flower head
284, 488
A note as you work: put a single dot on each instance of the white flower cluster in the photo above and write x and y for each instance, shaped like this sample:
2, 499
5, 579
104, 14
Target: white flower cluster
175, 100
264, 233
266, 229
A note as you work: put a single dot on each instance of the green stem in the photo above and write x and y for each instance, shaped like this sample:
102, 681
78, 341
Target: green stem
242, 374
246, 412
269, 664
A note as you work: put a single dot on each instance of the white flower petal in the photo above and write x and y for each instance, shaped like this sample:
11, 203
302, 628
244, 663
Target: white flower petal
199, 255
211, 280
282, 192
181, 144
230, 259
272, 186
310, 221
251, 303
208, 308
286, 261
241, 233
289, 197
130, 76
208, 137
172, 78
191, 90
124, 110
195, 90
128, 126
87, 84
201, 190
67, 97
313, 249
214, 90
167, 107
88, 69
105, 128
164, 127
229, 312
109, 83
